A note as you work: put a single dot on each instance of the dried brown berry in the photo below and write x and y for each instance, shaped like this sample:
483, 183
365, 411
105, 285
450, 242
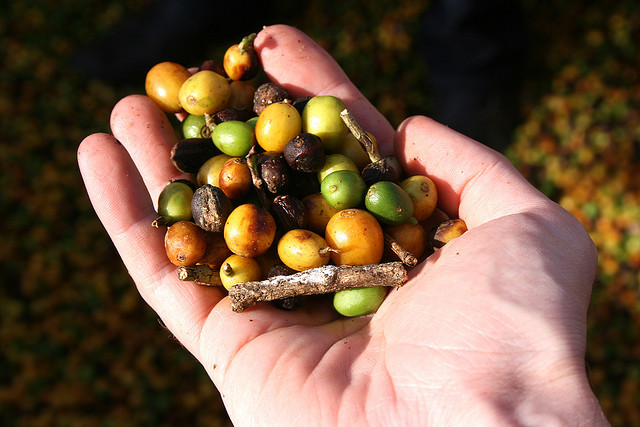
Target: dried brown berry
305, 153
379, 171
289, 212
190, 154
231, 113
268, 93
274, 171
300, 103
210, 208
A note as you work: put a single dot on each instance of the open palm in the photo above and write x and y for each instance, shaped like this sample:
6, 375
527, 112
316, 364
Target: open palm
488, 330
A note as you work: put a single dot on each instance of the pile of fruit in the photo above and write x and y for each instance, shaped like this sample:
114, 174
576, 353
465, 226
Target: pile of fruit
286, 187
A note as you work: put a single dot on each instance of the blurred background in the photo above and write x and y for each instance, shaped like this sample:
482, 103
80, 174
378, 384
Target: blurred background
555, 85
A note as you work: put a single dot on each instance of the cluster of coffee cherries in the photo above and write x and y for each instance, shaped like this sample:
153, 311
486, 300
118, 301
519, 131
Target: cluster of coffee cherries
283, 185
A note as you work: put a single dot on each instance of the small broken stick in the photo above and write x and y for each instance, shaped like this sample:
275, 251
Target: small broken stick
320, 280
201, 274
405, 256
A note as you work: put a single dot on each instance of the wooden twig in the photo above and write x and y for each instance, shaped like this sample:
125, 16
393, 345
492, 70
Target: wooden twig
258, 183
405, 256
320, 280
201, 274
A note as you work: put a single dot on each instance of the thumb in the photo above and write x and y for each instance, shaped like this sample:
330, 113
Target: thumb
474, 182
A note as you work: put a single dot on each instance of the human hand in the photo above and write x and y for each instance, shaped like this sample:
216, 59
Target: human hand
488, 330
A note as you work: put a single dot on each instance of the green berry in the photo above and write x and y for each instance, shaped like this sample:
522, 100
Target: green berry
192, 126
389, 203
233, 138
359, 301
343, 189
174, 202
321, 117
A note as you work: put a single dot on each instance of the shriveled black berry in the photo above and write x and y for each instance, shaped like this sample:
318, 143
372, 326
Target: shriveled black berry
239, 114
188, 155
210, 208
289, 304
302, 184
304, 153
289, 212
274, 171
280, 270
268, 93
379, 171
286, 304
300, 103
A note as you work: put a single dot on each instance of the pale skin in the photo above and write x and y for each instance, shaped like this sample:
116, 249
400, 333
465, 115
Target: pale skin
490, 330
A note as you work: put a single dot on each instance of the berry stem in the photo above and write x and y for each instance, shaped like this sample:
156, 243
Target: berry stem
405, 256
247, 42
363, 138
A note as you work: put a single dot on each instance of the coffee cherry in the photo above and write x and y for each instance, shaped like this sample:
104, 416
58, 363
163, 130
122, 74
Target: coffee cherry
321, 117
249, 230
412, 238
277, 124
185, 243
209, 172
163, 83
389, 203
233, 137
205, 92
318, 212
423, 193
241, 61
343, 189
302, 249
235, 178
336, 162
356, 236
194, 127
174, 202
239, 269
359, 301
